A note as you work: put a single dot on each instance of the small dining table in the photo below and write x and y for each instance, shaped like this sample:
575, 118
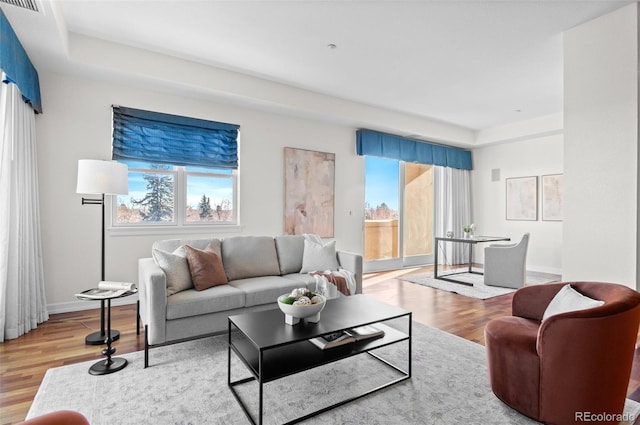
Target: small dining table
471, 241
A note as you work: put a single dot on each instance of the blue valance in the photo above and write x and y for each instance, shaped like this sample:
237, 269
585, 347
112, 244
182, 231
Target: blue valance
172, 139
384, 145
16, 65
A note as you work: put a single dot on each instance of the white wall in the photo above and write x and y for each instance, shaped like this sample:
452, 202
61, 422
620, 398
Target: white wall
601, 149
535, 157
76, 124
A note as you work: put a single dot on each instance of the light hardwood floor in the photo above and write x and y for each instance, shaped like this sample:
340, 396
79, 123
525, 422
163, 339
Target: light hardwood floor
60, 341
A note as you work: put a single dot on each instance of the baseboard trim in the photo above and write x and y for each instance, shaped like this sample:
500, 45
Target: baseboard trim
548, 270
78, 305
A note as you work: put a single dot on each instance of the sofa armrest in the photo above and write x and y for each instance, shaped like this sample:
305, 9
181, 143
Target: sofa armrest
353, 263
152, 293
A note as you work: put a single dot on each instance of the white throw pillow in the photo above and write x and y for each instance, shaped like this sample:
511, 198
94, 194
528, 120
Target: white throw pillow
318, 256
176, 269
568, 299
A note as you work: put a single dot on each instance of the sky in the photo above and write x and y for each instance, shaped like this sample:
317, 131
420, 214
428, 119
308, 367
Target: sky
217, 189
381, 185
381, 182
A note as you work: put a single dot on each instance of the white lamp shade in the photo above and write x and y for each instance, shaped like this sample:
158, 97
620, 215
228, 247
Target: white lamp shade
102, 177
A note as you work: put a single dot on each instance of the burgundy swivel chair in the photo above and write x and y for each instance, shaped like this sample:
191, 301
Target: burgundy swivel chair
572, 364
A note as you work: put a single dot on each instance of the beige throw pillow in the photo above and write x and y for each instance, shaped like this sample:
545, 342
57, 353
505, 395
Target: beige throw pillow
205, 267
176, 269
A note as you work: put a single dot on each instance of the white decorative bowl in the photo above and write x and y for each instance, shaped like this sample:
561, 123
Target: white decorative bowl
293, 313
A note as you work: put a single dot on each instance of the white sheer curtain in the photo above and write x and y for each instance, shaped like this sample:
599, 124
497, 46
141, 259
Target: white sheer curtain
22, 293
452, 211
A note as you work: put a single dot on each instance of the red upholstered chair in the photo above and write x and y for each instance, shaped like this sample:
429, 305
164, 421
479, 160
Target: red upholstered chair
572, 362
62, 417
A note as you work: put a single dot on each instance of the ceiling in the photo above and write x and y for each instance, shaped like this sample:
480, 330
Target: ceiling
475, 64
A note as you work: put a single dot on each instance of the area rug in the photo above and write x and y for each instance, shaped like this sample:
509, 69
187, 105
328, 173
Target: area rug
478, 290
186, 384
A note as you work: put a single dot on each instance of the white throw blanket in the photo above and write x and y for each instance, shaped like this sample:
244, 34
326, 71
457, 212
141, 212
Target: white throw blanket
327, 288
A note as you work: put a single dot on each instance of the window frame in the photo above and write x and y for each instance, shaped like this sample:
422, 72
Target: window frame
233, 176
179, 224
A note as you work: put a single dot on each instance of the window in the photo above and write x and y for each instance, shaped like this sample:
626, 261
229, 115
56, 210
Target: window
161, 194
210, 195
182, 171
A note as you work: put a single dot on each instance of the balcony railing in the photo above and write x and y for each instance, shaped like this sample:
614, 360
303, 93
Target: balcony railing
380, 239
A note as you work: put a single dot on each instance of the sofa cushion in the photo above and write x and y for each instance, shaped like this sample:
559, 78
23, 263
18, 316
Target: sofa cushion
206, 267
266, 289
176, 269
249, 256
304, 279
290, 248
193, 303
318, 256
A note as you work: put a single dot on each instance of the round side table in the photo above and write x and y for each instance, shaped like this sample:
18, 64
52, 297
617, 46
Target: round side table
99, 337
110, 364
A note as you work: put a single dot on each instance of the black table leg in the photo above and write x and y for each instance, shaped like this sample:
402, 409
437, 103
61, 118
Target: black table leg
110, 364
435, 265
99, 337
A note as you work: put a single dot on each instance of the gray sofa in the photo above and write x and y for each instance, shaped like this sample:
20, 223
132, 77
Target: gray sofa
258, 269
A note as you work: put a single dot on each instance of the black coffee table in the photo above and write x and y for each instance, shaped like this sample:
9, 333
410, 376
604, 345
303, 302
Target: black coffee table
271, 349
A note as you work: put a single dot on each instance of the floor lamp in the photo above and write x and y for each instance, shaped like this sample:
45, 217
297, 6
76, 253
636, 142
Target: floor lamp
101, 178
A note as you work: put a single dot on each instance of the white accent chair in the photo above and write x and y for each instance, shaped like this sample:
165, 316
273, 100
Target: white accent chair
506, 265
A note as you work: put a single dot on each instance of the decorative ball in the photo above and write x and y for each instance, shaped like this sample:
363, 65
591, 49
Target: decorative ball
299, 292
316, 299
302, 301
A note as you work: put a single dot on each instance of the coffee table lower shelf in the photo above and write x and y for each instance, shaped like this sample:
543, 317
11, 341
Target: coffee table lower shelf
279, 362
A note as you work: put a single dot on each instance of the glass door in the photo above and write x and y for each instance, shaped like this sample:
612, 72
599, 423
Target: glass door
398, 228
417, 213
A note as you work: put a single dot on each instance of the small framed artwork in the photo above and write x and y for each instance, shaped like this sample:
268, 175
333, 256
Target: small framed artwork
522, 198
552, 197
309, 180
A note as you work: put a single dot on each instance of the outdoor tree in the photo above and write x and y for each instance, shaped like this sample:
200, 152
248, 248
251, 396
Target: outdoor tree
157, 205
223, 210
380, 212
204, 208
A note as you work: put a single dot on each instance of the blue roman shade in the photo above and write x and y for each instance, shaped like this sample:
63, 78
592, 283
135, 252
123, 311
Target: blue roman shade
384, 145
172, 139
17, 66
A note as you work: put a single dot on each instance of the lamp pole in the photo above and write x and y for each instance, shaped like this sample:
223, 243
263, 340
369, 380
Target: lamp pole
99, 338
101, 178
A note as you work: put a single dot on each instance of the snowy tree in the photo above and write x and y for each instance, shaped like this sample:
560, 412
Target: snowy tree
157, 205
223, 210
204, 208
